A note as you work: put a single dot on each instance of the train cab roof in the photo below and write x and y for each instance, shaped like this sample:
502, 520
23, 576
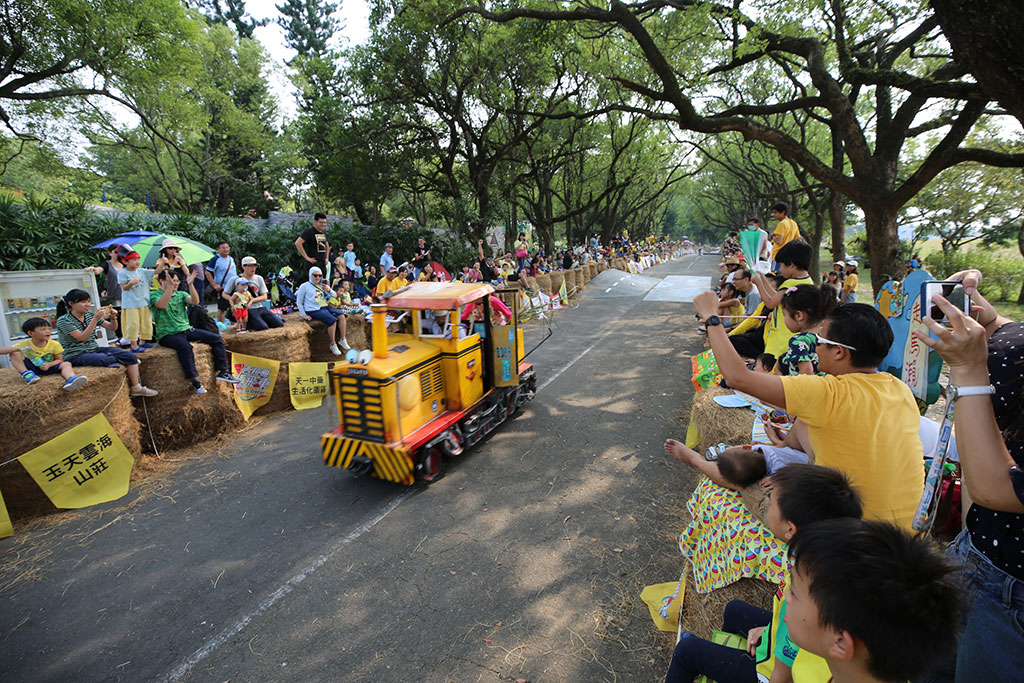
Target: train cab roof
438, 296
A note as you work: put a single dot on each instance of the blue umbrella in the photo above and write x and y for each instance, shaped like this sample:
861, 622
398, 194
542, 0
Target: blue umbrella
130, 237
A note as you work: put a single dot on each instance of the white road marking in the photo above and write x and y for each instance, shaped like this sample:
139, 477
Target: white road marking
571, 363
608, 290
227, 634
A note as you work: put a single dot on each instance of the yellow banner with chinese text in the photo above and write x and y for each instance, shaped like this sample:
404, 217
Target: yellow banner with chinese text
84, 466
256, 379
307, 384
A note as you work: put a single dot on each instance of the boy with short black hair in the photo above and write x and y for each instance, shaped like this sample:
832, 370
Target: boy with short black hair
800, 495
875, 602
41, 355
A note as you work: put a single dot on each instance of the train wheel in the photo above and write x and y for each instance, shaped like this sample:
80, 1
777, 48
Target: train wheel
428, 465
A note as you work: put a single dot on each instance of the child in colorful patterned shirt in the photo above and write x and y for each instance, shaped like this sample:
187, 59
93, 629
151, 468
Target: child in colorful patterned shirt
804, 307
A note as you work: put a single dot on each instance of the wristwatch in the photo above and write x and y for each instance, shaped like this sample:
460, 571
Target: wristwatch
715, 320
956, 392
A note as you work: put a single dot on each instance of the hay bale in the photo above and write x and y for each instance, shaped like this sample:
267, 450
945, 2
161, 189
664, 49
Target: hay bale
543, 281
177, 417
286, 344
601, 267
35, 414
557, 278
718, 424
587, 277
357, 332
577, 278
593, 269
529, 282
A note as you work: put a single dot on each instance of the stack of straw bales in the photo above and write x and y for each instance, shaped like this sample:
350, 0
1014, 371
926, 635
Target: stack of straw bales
32, 415
543, 281
177, 417
287, 344
357, 332
718, 424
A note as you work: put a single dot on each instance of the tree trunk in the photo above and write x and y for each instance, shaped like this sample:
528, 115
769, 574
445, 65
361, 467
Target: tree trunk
883, 245
837, 216
816, 236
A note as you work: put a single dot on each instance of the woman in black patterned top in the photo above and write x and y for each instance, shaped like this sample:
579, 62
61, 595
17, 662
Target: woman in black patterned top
990, 439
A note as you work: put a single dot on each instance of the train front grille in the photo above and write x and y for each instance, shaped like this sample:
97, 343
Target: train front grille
359, 402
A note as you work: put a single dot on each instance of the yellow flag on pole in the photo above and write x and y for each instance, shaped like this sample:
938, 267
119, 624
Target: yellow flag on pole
256, 379
562, 293
307, 384
84, 466
6, 528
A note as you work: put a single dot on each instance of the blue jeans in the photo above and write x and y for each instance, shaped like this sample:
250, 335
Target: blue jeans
105, 357
991, 646
328, 315
694, 656
180, 342
262, 318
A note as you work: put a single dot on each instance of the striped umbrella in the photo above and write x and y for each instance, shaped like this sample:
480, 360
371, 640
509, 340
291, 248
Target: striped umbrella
191, 251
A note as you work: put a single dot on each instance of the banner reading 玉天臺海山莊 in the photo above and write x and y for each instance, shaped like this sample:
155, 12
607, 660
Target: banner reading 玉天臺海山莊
256, 379
307, 384
85, 465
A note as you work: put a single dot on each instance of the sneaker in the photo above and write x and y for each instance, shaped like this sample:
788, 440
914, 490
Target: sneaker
200, 390
241, 331
344, 344
335, 350
74, 382
124, 343
227, 377
145, 345
143, 391
30, 377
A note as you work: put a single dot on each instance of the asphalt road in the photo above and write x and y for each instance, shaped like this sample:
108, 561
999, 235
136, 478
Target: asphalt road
257, 563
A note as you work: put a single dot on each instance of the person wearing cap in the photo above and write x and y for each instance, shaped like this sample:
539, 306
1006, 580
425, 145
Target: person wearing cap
219, 270
260, 317
386, 260
732, 264
390, 282
240, 300
311, 299
170, 257
136, 320
849, 293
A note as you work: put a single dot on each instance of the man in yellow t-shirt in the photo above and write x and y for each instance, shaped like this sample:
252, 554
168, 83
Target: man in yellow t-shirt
390, 282
859, 420
786, 231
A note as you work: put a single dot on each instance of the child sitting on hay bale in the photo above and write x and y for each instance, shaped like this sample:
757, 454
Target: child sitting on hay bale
40, 355
76, 331
173, 330
802, 495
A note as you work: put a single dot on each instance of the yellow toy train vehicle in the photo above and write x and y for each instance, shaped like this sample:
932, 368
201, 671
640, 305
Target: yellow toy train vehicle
429, 394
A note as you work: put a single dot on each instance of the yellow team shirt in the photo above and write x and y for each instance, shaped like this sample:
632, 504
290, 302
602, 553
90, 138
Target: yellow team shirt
776, 334
865, 424
776, 646
750, 323
851, 282
789, 231
386, 285
39, 354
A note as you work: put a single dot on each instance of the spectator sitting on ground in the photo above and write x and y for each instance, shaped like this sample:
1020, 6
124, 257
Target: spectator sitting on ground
174, 331
742, 280
311, 300
875, 602
76, 332
260, 315
41, 355
802, 496
749, 337
731, 265
729, 303
857, 419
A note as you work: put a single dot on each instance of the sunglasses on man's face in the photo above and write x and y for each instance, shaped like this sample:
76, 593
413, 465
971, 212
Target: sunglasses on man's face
829, 342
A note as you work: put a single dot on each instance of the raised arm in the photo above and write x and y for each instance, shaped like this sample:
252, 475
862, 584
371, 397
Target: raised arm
986, 461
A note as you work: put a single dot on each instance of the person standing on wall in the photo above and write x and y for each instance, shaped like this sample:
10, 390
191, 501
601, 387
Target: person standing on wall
420, 258
219, 270
312, 244
785, 232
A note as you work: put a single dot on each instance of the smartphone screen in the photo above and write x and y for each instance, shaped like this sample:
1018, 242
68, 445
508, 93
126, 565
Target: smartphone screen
952, 291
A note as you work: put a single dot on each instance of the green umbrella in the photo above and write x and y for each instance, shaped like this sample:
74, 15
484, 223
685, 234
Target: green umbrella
191, 251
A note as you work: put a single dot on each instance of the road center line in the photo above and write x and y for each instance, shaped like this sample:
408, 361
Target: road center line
227, 634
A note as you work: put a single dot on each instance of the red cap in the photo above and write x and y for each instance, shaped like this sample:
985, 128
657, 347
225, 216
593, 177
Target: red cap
129, 256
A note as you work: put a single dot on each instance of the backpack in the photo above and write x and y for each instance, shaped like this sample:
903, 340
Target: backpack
201, 320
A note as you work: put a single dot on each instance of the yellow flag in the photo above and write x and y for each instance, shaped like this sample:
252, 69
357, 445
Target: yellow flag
307, 384
562, 293
84, 466
6, 528
257, 377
